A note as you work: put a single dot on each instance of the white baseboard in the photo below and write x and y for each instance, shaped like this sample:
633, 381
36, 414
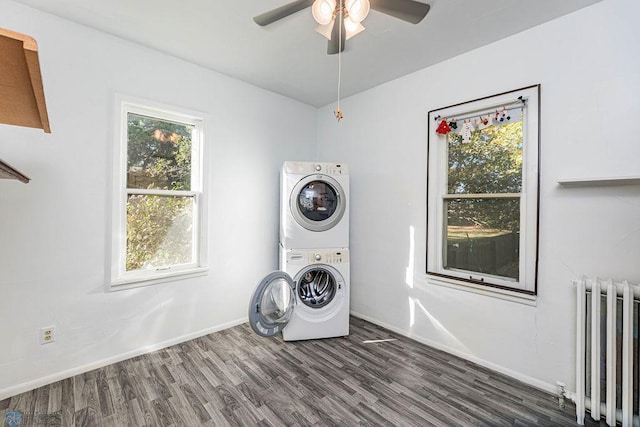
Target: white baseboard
49, 379
39, 382
534, 382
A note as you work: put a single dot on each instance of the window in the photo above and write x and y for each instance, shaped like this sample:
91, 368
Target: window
482, 199
157, 196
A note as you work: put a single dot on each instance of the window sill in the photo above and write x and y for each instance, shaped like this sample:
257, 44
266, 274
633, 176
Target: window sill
498, 293
137, 282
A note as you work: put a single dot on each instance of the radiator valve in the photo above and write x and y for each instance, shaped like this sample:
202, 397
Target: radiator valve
562, 393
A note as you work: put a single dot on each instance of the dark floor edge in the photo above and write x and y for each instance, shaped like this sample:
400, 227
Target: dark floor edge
26, 386
530, 381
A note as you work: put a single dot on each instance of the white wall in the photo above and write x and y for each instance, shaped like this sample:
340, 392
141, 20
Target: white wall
589, 69
53, 230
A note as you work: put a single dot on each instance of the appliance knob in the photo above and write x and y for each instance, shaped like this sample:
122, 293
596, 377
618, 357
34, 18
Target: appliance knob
318, 257
318, 167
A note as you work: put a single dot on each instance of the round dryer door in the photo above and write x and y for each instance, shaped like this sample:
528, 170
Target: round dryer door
317, 202
272, 304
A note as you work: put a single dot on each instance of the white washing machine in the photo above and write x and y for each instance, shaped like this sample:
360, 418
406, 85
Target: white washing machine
314, 205
307, 299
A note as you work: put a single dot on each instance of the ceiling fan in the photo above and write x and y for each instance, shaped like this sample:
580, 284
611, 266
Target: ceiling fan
341, 19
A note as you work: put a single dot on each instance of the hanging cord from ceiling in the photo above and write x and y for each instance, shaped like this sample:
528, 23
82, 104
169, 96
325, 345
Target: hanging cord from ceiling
340, 16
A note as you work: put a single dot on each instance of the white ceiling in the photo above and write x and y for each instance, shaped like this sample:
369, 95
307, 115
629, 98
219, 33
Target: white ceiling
288, 57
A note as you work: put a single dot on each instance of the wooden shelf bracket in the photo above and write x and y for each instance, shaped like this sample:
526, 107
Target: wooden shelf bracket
22, 101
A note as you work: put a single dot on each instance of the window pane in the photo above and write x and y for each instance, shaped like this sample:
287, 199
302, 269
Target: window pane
158, 153
159, 231
490, 163
482, 236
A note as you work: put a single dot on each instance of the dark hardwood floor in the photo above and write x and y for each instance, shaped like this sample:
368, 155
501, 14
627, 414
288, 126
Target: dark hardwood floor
233, 377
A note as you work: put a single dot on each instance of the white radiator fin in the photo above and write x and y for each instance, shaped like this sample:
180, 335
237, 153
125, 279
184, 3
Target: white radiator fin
605, 352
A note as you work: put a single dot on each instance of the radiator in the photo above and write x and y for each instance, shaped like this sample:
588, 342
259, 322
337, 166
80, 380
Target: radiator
607, 373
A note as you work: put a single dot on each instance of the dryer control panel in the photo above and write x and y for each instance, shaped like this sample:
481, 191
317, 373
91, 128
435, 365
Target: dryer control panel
332, 169
308, 168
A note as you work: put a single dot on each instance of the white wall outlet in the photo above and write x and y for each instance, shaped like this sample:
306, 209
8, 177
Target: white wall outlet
47, 334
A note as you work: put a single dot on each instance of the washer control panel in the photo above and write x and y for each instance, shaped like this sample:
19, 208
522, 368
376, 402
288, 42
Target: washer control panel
329, 257
321, 256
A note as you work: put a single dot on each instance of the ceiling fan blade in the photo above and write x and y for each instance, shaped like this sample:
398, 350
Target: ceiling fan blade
338, 36
281, 12
407, 10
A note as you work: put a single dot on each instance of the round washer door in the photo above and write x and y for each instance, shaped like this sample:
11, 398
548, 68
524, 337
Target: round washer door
272, 304
317, 285
317, 202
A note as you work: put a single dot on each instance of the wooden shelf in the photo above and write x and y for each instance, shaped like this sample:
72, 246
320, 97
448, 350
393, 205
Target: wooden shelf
22, 100
8, 172
600, 182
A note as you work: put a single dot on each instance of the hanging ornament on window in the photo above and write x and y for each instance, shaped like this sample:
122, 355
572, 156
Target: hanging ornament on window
443, 127
453, 124
483, 122
467, 128
505, 115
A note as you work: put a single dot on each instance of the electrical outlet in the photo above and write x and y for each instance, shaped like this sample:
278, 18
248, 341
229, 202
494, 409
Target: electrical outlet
47, 334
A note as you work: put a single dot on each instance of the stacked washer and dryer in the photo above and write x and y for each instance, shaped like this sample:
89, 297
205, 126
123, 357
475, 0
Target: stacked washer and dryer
308, 298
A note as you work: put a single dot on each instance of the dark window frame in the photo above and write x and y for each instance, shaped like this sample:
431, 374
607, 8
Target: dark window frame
437, 273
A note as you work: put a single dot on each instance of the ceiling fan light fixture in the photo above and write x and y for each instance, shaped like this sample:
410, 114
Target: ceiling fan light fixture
322, 11
335, 15
357, 9
352, 28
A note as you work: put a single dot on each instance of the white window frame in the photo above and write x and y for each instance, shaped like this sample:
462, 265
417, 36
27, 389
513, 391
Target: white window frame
526, 286
119, 277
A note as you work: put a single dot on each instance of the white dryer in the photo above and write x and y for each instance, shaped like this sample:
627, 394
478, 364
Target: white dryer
307, 299
314, 205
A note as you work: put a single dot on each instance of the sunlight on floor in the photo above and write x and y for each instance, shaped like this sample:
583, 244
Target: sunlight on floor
377, 341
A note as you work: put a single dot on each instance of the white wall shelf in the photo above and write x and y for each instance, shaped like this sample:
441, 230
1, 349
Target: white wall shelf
600, 182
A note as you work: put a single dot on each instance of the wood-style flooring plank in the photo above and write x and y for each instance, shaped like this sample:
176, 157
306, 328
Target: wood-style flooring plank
233, 377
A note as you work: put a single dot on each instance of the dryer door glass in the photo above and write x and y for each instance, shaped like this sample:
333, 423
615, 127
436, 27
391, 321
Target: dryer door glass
318, 201
272, 304
316, 287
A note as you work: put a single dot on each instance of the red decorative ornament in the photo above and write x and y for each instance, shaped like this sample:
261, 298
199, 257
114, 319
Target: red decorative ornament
443, 128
